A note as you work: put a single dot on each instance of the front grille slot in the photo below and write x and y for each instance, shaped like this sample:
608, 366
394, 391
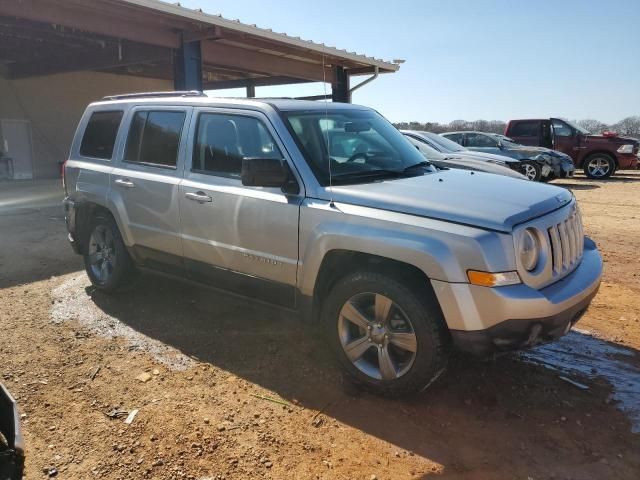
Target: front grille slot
567, 244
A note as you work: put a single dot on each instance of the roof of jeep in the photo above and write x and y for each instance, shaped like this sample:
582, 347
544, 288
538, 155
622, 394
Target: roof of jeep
284, 104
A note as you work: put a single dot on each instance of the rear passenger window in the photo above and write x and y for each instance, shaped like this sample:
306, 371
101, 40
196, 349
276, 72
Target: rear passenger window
479, 140
154, 138
222, 141
100, 135
525, 129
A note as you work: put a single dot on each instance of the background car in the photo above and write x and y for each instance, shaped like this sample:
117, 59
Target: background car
450, 148
549, 163
453, 160
598, 155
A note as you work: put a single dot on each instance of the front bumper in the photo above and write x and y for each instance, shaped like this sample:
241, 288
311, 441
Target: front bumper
483, 320
627, 161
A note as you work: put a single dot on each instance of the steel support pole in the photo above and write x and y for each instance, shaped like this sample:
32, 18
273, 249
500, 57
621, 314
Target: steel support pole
340, 89
187, 67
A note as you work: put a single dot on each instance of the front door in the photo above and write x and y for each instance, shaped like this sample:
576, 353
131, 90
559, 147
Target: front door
564, 137
16, 144
241, 239
145, 182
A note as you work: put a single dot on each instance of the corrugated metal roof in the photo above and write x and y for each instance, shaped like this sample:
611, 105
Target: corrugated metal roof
218, 20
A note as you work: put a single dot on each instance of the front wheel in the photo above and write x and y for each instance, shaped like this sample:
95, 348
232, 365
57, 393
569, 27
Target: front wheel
387, 336
599, 166
532, 170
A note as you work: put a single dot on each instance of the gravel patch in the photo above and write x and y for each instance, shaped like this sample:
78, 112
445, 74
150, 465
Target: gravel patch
71, 303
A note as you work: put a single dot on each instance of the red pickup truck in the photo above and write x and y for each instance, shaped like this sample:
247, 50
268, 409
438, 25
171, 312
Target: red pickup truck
598, 155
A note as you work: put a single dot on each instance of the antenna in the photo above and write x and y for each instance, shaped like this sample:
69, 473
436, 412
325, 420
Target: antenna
326, 117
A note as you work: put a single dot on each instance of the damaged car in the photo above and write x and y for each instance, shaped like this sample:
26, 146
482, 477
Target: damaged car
545, 165
455, 153
507, 167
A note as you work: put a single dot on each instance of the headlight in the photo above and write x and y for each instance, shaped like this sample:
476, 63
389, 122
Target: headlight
628, 148
529, 250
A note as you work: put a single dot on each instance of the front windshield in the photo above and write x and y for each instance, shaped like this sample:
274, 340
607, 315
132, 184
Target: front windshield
361, 145
445, 143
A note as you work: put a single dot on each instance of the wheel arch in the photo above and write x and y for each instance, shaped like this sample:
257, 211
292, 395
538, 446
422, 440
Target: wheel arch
599, 152
85, 212
339, 262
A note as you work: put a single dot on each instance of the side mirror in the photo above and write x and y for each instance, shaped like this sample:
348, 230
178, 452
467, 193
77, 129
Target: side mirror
500, 146
264, 172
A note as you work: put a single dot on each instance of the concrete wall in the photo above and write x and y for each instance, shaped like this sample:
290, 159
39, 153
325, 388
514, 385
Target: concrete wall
55, 103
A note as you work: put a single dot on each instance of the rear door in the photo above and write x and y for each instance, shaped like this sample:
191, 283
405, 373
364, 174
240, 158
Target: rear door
145, 184
241, 239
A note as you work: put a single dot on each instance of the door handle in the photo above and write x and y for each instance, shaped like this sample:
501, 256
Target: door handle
199, 197
124, 182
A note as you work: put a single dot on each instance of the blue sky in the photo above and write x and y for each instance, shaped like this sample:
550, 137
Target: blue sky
472, 59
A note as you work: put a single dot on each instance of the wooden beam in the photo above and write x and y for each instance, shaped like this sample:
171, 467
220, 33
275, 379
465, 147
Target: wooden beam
213, 33
257, 82
117, 25
92, 59
254, 61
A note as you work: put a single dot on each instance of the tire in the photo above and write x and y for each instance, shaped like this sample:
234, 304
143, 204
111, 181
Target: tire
116, 269
599, 166
532, 170
359, 294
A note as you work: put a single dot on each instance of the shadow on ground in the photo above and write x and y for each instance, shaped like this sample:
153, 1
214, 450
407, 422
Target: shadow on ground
576, 186
487, 418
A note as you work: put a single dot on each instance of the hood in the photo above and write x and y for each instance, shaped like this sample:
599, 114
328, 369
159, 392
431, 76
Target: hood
483, 200
467, 162
487, 157
616, 139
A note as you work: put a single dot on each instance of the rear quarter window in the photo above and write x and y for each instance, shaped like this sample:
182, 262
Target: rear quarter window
524, 129
99, 137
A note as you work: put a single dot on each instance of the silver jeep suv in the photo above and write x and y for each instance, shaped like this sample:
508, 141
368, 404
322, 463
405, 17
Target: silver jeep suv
327, 209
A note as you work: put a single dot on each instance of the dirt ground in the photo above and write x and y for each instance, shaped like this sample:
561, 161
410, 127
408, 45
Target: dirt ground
235, 390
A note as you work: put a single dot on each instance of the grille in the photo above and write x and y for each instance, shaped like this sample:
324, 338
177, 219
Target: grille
567, 244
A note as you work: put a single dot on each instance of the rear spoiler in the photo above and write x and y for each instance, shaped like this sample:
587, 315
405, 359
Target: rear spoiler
11, 441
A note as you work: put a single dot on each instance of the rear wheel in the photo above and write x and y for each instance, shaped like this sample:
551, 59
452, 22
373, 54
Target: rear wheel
532, 170
599, 166
106, 259
388, 337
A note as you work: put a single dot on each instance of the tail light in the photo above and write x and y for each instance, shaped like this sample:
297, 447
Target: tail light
63, 174
609, 134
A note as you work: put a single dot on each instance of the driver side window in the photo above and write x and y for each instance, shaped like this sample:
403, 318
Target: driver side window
561, 129
222, 141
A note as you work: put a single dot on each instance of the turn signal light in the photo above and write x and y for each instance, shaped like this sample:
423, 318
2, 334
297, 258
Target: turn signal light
487, 279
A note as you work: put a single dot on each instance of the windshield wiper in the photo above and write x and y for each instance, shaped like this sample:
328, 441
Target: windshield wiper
424, 163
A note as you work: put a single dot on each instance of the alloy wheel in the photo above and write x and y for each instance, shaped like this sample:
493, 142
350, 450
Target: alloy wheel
102, 253
530, 171
598, 167
377, 336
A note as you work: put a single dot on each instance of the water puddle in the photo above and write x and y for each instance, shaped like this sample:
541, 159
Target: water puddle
580, 356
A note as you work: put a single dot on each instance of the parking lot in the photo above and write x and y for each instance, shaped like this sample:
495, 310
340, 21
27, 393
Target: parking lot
227, 389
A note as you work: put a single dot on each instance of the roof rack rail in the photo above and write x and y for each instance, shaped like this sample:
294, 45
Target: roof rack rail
180, 93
